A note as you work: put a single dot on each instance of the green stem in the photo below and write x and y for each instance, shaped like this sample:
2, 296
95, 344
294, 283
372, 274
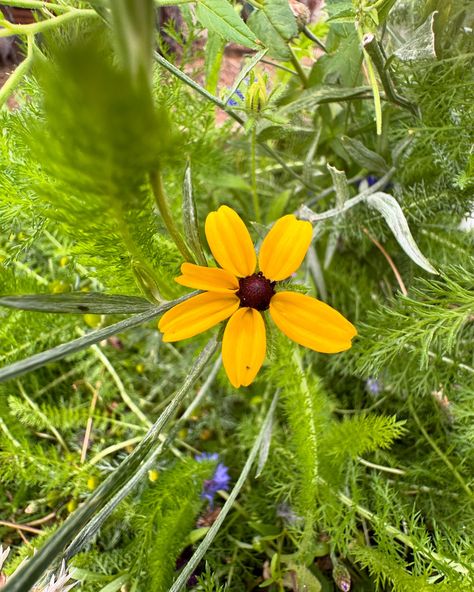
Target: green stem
222, 105
37, 5
161, 200
253, 167
299, 69
439, 452
85, 521
51, 23
181, 580
17, 74
314, 39
372, 48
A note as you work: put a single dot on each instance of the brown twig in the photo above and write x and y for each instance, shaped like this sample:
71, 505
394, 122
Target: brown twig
20, 527
390, 262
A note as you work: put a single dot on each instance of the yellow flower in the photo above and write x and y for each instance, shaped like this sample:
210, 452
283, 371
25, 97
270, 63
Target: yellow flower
240, 292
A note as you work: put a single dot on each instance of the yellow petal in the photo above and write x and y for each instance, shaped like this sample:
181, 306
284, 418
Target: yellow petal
284, 247
311, 323
207, 278
244, 346
197, 314
230, 242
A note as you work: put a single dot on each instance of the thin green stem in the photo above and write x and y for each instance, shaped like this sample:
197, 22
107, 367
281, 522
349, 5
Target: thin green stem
17, 74
314, 39
37, 5
253, 169
439, 452
43, 417
298, 67
222, 105
161, 200
42, 26
181, 580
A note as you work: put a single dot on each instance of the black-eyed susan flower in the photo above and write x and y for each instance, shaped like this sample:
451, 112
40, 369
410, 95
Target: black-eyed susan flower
239, 292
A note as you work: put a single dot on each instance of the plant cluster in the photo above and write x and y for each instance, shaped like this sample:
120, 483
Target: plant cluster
128, 461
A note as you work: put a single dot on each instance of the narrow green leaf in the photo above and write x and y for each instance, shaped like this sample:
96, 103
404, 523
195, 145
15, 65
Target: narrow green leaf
316, 95
364, 157
181, 580
220, 17
190, 222
78, 303
341, 186
61, 351
393, 214
214, 53
105, 498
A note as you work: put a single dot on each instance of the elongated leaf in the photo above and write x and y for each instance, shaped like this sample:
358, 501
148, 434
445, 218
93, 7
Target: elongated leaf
105, 498
190, 223
63, 350
395, 218
214, 53
220, 17
317, 95
78, 303
191, 565
366, 158
264, 447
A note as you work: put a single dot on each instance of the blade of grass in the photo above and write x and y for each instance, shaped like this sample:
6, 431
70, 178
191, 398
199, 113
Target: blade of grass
61, 351
183, 577
87, 519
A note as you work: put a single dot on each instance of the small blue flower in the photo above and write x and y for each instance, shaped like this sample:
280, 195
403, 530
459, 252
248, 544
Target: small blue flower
220, 479
374, 386
234, 102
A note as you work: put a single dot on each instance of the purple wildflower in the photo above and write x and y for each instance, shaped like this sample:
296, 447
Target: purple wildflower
220, 479
374, 386
234, 102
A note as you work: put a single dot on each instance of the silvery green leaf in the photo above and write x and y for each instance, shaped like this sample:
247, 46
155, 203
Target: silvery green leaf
311, 97
220, 17
363, 156
421, 45
85, 521
393, 214
264, 448
61, 351
78, 303
341, 186
190, 223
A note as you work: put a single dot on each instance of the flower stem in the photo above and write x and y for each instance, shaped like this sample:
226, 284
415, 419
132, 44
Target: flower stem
301, 73
161, 200
253, 155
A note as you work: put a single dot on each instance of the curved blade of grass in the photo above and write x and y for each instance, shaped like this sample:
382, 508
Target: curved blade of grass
101, 503
183, 577
56, 353
78, 303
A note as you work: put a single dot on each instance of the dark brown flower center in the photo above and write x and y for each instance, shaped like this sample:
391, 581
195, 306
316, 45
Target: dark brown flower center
256, 291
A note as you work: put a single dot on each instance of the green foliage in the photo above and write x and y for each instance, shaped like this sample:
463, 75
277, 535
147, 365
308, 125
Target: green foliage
369, 470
